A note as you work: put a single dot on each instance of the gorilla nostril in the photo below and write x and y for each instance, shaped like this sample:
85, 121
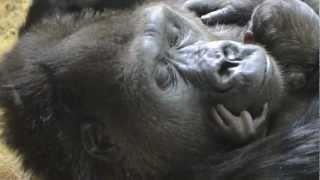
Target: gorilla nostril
225, 67
231, 52
217, 55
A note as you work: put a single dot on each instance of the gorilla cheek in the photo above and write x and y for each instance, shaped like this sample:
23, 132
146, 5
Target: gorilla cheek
254, 69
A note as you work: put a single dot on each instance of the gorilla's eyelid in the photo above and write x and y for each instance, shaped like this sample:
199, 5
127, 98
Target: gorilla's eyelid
151, 30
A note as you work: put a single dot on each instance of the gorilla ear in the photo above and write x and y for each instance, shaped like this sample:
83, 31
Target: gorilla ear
96, 143
9, 96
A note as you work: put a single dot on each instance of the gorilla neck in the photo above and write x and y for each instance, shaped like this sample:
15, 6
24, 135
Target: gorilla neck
293, 108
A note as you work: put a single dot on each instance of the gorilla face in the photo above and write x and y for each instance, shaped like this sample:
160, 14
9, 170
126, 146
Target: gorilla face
182, 57
173, 71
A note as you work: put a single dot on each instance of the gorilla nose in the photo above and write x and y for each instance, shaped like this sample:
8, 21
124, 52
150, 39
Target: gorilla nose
230, 51
226, 50
223, 56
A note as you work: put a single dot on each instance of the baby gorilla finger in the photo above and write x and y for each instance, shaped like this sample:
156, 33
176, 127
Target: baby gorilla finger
238, 129
201, 7
248, 123
218, 121
226, 15
260, 121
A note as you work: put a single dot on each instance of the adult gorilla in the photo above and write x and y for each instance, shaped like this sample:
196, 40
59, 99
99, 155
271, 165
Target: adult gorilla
126, 94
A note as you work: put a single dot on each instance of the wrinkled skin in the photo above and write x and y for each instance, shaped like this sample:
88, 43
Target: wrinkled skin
86, 97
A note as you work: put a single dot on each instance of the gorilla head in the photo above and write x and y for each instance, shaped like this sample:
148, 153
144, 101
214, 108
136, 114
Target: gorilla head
126, 94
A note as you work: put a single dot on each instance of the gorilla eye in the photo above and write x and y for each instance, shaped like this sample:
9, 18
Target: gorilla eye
174, 36
174, 41
164, 76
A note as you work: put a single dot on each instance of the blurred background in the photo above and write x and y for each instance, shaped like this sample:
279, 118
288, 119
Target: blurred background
12, 16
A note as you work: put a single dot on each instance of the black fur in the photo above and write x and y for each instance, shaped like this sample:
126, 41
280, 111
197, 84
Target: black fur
62, 78
41, 9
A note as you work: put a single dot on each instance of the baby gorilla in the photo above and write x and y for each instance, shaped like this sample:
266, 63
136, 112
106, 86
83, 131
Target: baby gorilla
277, 26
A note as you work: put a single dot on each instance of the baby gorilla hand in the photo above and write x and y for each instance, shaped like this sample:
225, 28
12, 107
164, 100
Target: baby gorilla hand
238, 129
223, 11
202, 7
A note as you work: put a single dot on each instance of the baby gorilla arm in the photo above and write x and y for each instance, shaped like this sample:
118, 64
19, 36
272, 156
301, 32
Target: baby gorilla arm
223, 11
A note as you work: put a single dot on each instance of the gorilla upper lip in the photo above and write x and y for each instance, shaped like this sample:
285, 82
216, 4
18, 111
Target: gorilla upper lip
221, 83
225, 80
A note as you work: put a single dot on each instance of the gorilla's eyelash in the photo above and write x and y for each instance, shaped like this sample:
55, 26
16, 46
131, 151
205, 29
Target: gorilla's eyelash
174, 69
175, 40
172, 76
